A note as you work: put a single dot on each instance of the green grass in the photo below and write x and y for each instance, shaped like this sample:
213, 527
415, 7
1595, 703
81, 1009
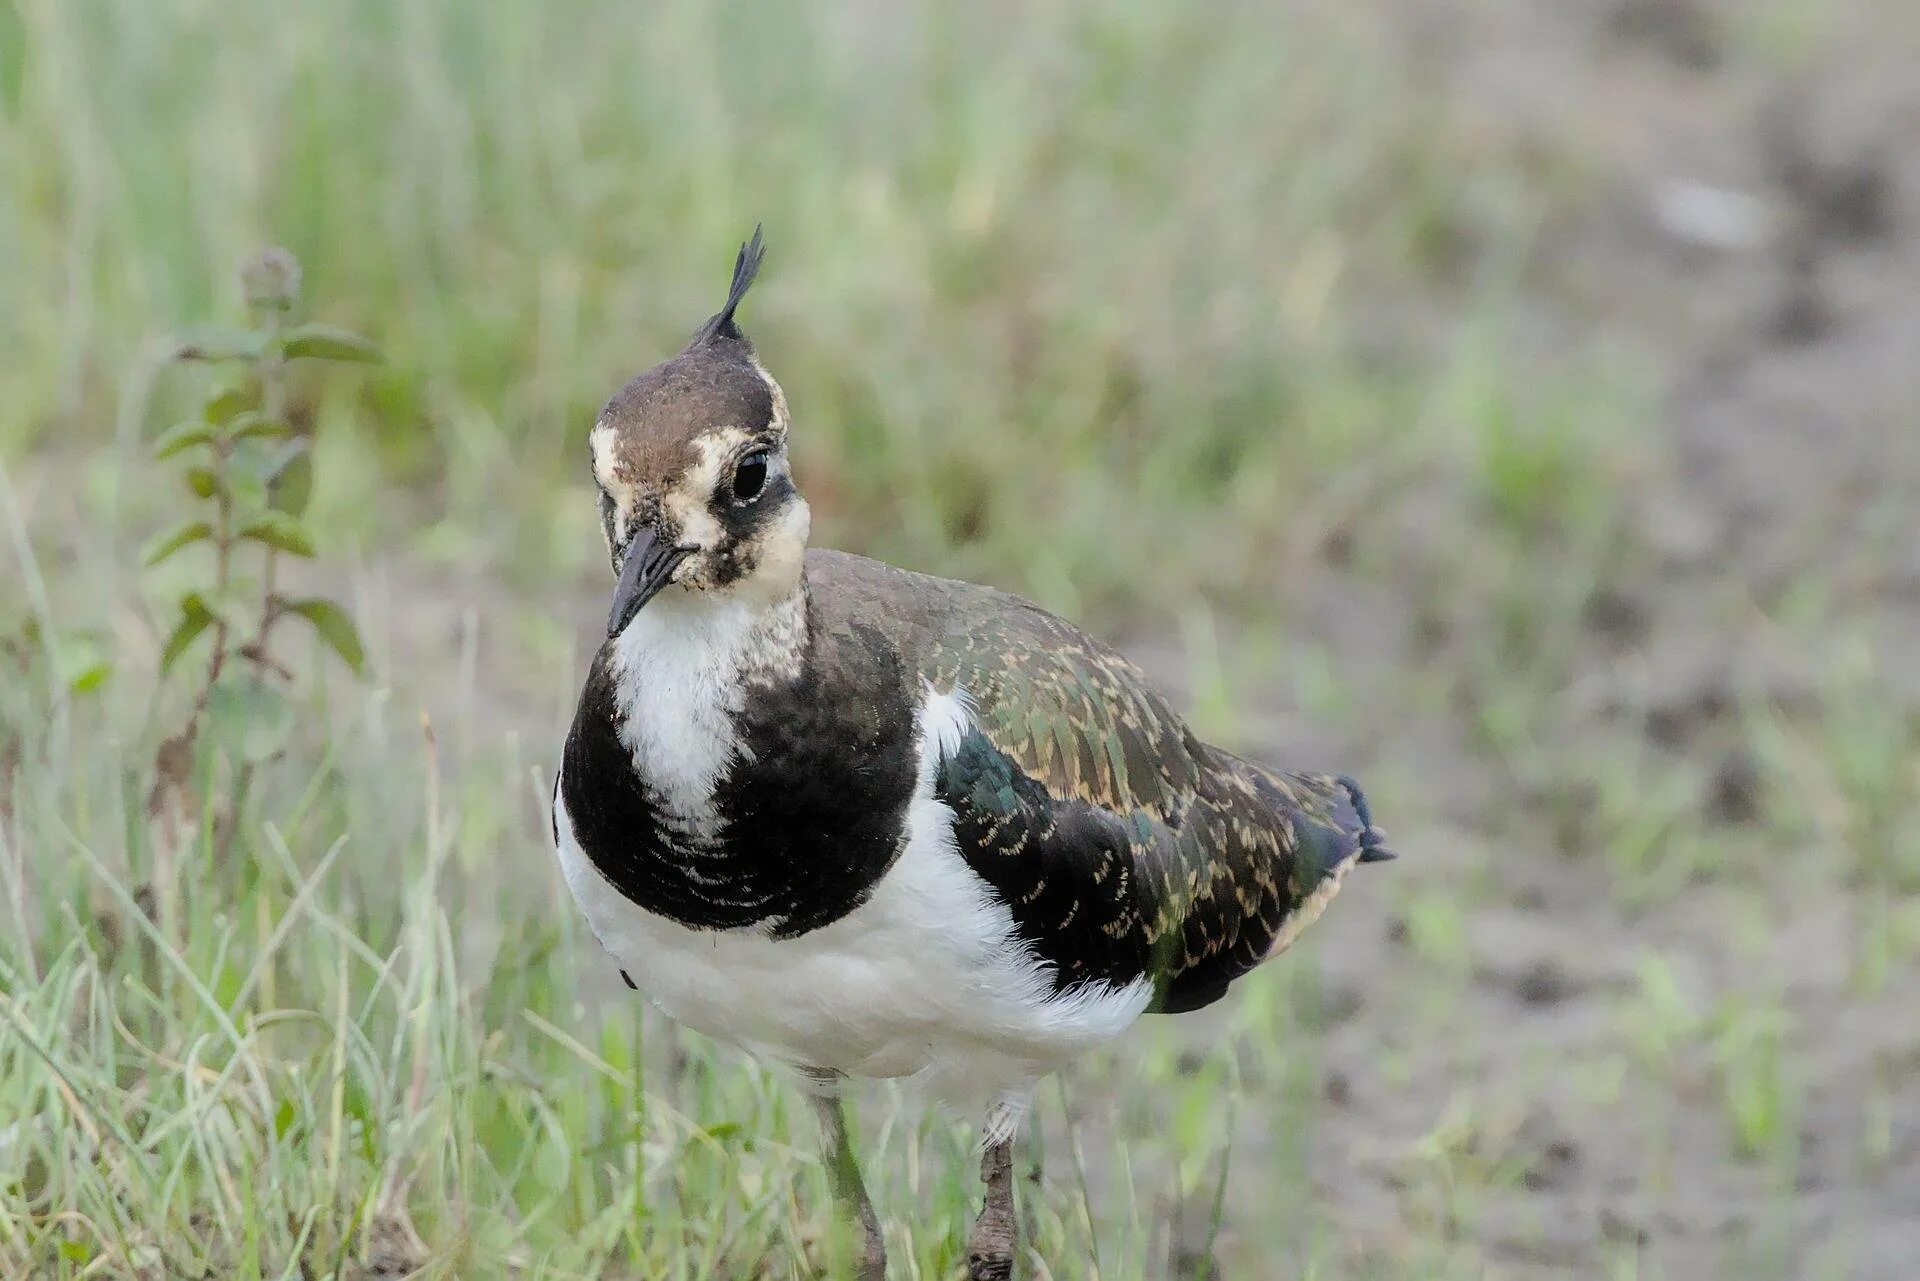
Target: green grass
306, 1049
525, 210
1215, 328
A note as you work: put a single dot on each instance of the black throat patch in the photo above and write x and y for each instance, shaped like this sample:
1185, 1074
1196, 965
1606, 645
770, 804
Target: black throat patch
812, 811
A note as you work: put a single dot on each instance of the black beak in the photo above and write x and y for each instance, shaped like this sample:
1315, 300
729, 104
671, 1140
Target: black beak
649, 566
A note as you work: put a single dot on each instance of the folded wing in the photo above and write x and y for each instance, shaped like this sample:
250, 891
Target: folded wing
1124, 846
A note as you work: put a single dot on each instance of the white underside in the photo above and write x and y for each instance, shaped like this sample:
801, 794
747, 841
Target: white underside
927, 979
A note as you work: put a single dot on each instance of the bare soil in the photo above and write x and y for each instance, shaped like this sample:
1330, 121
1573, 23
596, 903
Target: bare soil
1787, 459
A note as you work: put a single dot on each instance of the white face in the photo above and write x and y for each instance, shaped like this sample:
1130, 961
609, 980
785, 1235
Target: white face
730, 503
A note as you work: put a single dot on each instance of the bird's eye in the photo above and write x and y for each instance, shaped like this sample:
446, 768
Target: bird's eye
750, 477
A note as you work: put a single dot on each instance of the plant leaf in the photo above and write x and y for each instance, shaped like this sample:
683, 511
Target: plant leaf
203, 481
195, 618
250, 717
257, 426
81, 660
281, 531
245, 486
182, 435
165, 545
220, 344
292, 480
276, 461
325, 342
224, 406
334, 627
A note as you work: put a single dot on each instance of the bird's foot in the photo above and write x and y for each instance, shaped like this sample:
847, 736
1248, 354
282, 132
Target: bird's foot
990, 1244
853, 1246
871, 1263
990, 1255
843, 1173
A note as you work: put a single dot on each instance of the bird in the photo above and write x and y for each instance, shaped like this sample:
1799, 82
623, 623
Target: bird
869, 823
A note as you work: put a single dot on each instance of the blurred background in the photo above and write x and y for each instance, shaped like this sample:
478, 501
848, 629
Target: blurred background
1514, 405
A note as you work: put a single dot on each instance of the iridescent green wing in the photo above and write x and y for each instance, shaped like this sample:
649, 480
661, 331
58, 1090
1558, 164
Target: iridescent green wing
1123, 845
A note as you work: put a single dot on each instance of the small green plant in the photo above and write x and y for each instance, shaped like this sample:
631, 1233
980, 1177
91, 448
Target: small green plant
248, 470
1757, 1091
75, 660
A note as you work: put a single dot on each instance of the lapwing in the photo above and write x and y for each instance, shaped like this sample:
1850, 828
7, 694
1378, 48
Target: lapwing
871, 823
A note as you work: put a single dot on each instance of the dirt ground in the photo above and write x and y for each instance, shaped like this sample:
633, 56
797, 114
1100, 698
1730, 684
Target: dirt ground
1755, 237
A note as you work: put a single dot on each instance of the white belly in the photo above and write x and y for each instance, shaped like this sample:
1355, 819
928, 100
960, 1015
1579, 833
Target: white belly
927, 978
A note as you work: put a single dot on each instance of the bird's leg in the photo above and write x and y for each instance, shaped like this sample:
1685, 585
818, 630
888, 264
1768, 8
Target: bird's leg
843, 1175
990, 1244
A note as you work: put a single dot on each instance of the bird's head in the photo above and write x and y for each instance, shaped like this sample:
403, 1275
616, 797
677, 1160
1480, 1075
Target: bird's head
691, 461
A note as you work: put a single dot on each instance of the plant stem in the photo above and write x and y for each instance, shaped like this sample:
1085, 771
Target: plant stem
273, 403
223, 554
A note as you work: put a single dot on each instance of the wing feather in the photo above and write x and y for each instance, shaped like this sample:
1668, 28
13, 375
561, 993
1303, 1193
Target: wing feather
1125, 846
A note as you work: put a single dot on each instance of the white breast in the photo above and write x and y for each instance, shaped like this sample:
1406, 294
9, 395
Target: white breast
926, 978
679, 670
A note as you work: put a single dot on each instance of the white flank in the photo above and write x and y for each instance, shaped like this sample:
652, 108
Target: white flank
926, 979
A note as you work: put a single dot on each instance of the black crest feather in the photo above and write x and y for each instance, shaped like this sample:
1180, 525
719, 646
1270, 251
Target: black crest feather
745, 268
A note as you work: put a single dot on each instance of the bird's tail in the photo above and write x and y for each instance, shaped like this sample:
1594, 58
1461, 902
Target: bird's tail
1333, 824
1333, 832
1373, 840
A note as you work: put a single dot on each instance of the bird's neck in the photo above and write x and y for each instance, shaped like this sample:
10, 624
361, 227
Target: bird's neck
721, 640
682, 672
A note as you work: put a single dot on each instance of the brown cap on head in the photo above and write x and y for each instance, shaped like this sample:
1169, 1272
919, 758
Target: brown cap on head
691, 461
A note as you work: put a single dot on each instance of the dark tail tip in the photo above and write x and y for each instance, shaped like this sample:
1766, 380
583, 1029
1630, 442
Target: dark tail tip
1373, 841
